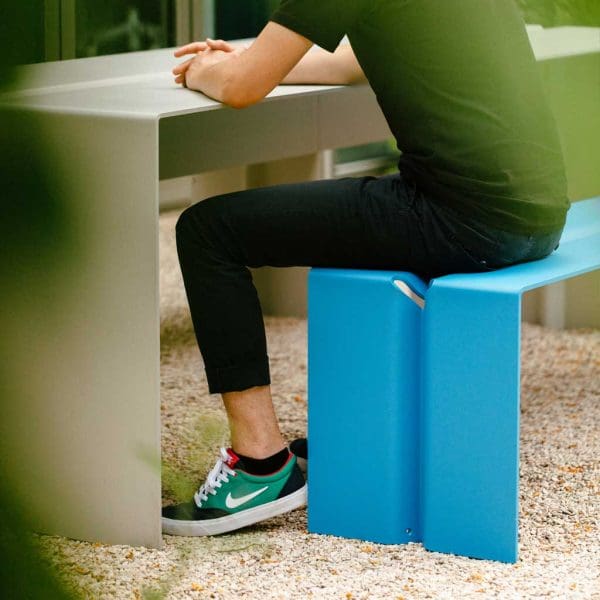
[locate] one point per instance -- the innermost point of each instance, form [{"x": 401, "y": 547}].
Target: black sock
[{"x": 264, "y": 466}]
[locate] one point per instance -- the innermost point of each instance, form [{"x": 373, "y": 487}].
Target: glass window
[{"x": 113, "y": 26}]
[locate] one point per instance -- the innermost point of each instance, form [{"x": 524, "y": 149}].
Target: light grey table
[{"x": 118, "y": 125}]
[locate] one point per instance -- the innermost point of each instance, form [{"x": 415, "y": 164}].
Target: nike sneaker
[
  {"x": 231, "y": 499},
  {"x": 300, "y": 448}
]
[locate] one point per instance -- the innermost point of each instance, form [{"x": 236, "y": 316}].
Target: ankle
[{"x": 257, "y": 449}]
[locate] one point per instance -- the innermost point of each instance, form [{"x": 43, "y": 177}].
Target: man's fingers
[
  {"x": 183, "y": 67},
  {"x": 192, "y": 48},
  {"x": 219, "y": 45},
  {"x": 180, "y": 80}
]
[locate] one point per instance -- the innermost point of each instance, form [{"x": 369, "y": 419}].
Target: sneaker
[
  {"x": 231, "y": 499},
  {"x": 300, "y": 448}
]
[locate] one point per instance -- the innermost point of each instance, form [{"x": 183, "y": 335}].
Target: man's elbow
[
  {"x": 235, "y": 101},
  {"x": 352, "y": 76},
  {"x": 238, "y": 94}
]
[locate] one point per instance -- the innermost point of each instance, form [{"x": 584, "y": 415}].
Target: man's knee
[
  {"x": 198, "y": 226},
  {"x": 186, "y": 222},
  {"x": 192, "y": 222}
]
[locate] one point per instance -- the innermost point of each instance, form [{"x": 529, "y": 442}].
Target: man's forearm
[
  {"x": 316, "y": 66},
  {"x": 321, "y": 67}
]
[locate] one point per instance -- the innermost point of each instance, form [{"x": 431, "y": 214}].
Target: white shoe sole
[{"x": 236, "y": 520}]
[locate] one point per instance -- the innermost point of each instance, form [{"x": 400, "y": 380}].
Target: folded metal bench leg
[
  {"x": 470, "y": 421},
  {"x": 363, "y": 417}
]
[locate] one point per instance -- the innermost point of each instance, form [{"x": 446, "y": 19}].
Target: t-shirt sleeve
[{"x": 323, "y": 22}]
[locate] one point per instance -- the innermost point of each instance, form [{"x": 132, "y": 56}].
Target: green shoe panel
[{"x": 244, "y": 490}]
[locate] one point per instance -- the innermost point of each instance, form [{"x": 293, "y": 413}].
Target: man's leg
[
  {"x": 353, "y": 222},
  {"x": 371, "y": 223},
  {"x": 252, "y": 422}
]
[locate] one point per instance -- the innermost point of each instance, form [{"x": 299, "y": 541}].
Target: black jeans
[{"x": 364, "y": 222}]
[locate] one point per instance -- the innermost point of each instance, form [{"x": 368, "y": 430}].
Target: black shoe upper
[
  {"x": 300, "y": 448},
  {"x": 295, "y": 482}
]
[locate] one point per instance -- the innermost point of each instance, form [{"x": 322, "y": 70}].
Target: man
[{"x": 480, "y": 185}]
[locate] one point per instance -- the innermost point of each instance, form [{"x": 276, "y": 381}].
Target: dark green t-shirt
[{"x": 460, "y": 89}]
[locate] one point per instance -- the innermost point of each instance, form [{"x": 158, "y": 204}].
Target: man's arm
[
  {"x": 240, "y": 77},
  {"x": 321, "y": 67},
  {"x": 317, "y": 66}
]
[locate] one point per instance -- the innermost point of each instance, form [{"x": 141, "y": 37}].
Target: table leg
[{"x": 90, "y": 434}]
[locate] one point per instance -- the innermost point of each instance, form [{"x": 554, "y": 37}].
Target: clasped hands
[{"x": 206, "y": 54}]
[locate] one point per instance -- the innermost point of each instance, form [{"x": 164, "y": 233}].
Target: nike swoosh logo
[{"x": 231, "y": 502}]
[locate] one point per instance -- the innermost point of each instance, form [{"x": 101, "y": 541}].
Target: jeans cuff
[{"x": 238, "y": 377}]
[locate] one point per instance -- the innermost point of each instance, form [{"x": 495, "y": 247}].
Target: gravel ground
[{"x": 559, "y": 490}]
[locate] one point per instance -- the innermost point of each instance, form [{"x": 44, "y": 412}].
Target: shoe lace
[{"x": 218, "y": 475}]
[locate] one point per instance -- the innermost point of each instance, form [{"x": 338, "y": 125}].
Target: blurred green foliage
[
  {"x": 35, "y": 236},
  {"x": 556, "y": 13},
  {"x": 23, "y": 573},
  {"x": 210, "y": 432}
]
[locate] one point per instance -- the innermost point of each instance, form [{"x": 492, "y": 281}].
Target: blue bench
[{"x": 414, "y": 399}]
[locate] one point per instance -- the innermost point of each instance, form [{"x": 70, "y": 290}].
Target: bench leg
[
  {"x": 470, "y": 423},
  {"x": 363, "y": 402}
]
